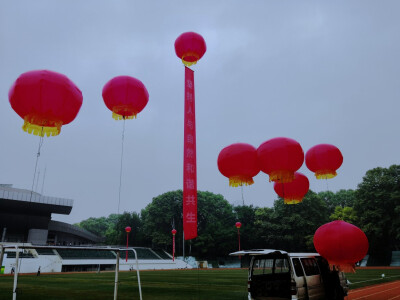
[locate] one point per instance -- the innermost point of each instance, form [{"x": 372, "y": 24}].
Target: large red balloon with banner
[
  {"x": 190, "y": 47},
  {"x": 324, "y": 160},
  {"x": 279, "y": 158},
  {"x": 293, "y": 192},
  {"x": 239, "y": 163},
  {"x": 341, "y": 243},
  {"x": 125, "y": 96},
  {"x": 45, "y": 100}
]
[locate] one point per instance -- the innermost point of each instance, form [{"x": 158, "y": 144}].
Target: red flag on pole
[{"x": 189, "y": 160}]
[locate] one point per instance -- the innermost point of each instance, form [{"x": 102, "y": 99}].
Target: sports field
[{"x": 177, "y": 284}]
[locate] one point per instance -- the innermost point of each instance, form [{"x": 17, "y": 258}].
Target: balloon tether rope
[
  {"x": 36, "y": 164},
  {"x": 41, "y": 140}
]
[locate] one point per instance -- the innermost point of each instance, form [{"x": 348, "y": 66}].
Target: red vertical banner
[{"x": 189, "y": 160}]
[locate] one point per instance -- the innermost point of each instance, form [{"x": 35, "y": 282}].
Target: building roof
[
  {"x": 75, "y": 230},
  {"x": 19, "y": 198}
]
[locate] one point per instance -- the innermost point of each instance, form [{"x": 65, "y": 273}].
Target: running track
[{"x": 385, "y": 291}]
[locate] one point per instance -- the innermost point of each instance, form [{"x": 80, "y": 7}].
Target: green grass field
[
  {"x": 168, "y": 285},
  {"x": 366, "y": 277}
]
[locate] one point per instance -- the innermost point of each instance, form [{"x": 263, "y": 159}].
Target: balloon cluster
[
  {"x": 341, "y": 243},
  {"x": 280, "y": 158},
  {"x": 47, "y": 100}
]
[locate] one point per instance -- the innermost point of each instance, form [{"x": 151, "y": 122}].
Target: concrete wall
[
  {"x": 47, "y": 264},
  {"x": 38, "y": 236},
  {"x": 54, "y": 263}
]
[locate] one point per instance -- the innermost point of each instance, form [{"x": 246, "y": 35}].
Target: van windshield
[{"x": 263, "y": 266}]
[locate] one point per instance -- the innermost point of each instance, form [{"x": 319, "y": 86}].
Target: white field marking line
[
  {"x": 380, "y": 278},
  {"x": 365, "y": 281},
  {"x": 394, "y": 297},
  {"x": 376, "y": 293},
  {"x": 372, "y": 287}
]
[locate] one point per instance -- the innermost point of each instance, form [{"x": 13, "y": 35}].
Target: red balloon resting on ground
[{"x": 341, "y": 243}]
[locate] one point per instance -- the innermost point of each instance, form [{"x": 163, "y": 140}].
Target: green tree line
[{"x": 374, "y": 207}]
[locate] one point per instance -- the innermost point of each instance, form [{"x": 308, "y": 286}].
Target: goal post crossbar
[{"x": 117, "y": 250}]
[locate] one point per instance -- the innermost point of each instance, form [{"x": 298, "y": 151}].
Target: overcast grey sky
[{"x": 314, "y": 71}]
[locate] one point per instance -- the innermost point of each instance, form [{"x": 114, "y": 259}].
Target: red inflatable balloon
[
  {"x": 239, "y": 163},
  {"x": 341, "y": 243},
  {"x": 293, "y": 192},
  {"x": 324, "y": 160},
  {"x": 46, "y": 100},
  {"x": 280, "y": 158},
  {"x": 190, "y": 47},
  {"x": 125, "y": 96}
]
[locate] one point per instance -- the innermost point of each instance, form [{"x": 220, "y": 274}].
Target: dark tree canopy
[
  {"x": 378, "y": 206},
  {"x": 341, "y": 198},
  {"x": 374, "y": 207},
  {"x": 215, "y": 223},
  {"x": 158, "y": 218},
  {"x": 113, "y": 228},
  {"x": 248, "y": 232},
  {"x": 291, "y": 227}
]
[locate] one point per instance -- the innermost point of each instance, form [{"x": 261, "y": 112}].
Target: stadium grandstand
[
  {"x": 26, "y": 227},
  {"x": 74, "y": 259},
  {"x": 25, "y": 217}
]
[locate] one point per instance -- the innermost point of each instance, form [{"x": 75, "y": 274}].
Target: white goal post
[{"x": 116, "y": 250}]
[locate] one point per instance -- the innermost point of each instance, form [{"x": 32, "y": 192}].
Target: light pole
[
  {"x": 238, "y": 225},
  {"x": 173, "y": 244},
  {"x": 127, "y": 230}
]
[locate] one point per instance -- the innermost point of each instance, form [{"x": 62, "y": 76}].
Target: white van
[{"x": 277, "y": 275}]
